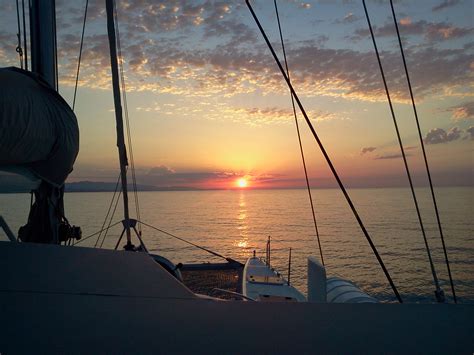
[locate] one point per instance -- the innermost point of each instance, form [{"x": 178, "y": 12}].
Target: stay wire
[
  {"x": 185, "y": 241},
  {"x": 111, "y": 217},
  {"x": 18, "y": 49},
  {"x": 94, "y": 234},
  {"x": 424, "y": 153},
  {"x": 127, "y": 120},
  {"x": 25, "y": 51},
  {"x": 80, "y": 55},
  {"x": 433, "y": 271},
  {"x": 109, "y": 209},
  {"x": 326, "y": 156},
  {"x": 299, "y": 135}
]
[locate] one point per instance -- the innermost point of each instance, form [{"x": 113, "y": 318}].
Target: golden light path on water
[{"x": 242, "y": 223}]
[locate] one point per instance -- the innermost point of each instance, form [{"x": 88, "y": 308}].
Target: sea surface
[{"x": 234, "y": 223}]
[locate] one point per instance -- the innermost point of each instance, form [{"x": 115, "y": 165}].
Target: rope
[
  {"x": 24, "y": 34},
  {"x": 108, "y": 211},
  {"x": 326, "y": 156},
  {"x": 90, "y": 236},
  {"x": 80, "y": 55},
  {"x": 423, "y": 150},
  {"x": 433, "y": 271},
  {"x": 186, "y": 241},
  {"x": 110, "y": 221},
  {"x": 18, "y": 49},
  {"x": 299, "y": 137}
]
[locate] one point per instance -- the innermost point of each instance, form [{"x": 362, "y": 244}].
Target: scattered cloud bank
[{"x": 204, "y": 49}]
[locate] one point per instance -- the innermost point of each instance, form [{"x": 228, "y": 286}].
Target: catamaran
[{"x": 59, "y": 298}]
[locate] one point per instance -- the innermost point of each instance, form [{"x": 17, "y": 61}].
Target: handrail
[{"x": 8, "y": 231}]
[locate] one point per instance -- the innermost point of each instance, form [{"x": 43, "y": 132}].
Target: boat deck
[
  {"x": 209, "y": 278},
  {"x": 77, "y": 300},
  {"x": 262, "y": 283}
]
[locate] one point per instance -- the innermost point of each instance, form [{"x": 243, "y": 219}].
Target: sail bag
[{"x": 38, "y": 129}]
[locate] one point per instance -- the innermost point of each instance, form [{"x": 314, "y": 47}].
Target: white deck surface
[
  {"x": 259, "y": 279},
  {"x": 76, "y": 300}
]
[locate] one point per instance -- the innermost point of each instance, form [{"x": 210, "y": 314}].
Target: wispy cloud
[
  {"x": 391, "y": 156},
  {"x": 349, "y": 18},
  {"x": 432, "y": 31},
  {"x": 366, "y": 150},
  {"x": 445, "y": 4}
]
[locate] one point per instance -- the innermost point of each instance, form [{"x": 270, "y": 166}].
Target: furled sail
[{"x": 38, "y": 129}]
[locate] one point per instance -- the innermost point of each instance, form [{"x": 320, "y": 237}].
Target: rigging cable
[
  {"x": 326, "y": 156},
  {"x": 93, "y": 234},
  {"x": 424, "y": 153},
  {"x": 112, "y": 216},
  {"x": 299, "y": 135},
  {"x": 438, "y": 292},
  {"x": 24, "y": 35},
  {"x": 18, "y": 49},
  {"x": 188, "y": 242},
  {"x": 127, "y": 121},
  {"x": 80, "y": 55},
  {"x": 108, "y": 211}
]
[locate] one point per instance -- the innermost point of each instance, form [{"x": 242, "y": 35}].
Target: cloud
[
  {"x": 166, "y": 51},
  {"x": 445, "y": 4},
  {"x": 405, "y": 21},
  {"x": 432, "y": 31},
  {"x": 367, "y": 150},
  {"x": 464, "y": 111},
  {"x": 272, "y": 114},
  {"x": 160, "y": 171},
  {"x": 470, "y": 132},
  {"x": 234, "y": 60},
  {"x": 439, "y": 135},
  {"x": 349, "y": 18},
  {"x": 443, "y": 31},
  {"x": 225, "y": 110},
  {"x": 163, "y": 176},
  {"x": 408, "y": 152},
  {"x": 391, "y": 156}
]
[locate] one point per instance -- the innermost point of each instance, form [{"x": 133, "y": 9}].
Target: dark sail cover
[{"x": 38, "y": 129}]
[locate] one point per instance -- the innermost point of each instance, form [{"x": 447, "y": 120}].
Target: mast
[
  {"x": 43, "y": 40},
  {"x": 118, "y": 116},
  {"x": 44, "y": 63}
]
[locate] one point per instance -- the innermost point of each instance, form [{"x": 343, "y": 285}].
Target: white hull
[{"x": 262, "y": 283}]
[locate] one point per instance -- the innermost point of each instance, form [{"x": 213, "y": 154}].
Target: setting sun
[{"x": 242, "y": 182}]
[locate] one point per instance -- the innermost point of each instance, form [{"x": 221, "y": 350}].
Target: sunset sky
[{"x": 208, "y": 106}]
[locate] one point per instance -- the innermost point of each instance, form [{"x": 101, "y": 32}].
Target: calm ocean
[{"x": 235, "y": 223}]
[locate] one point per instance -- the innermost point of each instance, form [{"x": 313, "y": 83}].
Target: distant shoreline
[{"x": 191, "y": 189}]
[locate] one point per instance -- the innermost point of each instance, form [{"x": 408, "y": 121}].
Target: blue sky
[{"x": 208, "y": 105}]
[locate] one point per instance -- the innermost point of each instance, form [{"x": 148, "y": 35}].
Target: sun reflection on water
[{"x": 242, "y": 240}]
